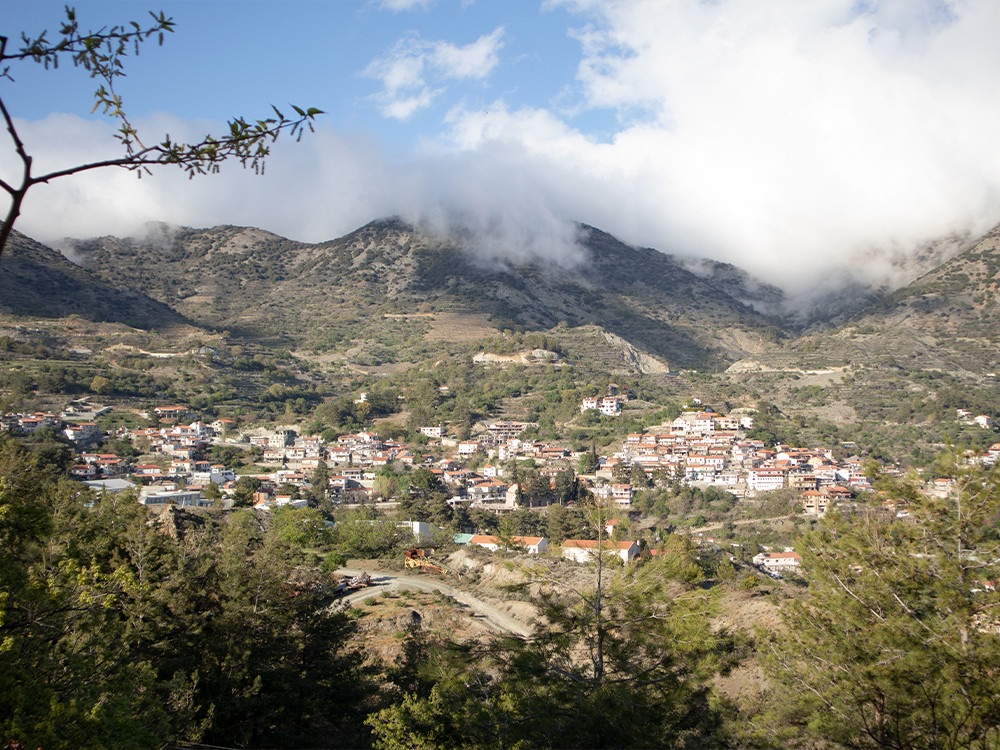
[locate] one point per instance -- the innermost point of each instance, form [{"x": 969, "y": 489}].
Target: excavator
[{"x": 418, "y": 559}]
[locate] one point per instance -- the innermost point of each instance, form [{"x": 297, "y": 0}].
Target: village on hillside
[{"x": 700, "y": 448}]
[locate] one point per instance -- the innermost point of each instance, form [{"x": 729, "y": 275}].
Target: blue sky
[
  {"x": 229, "y": 58},
  {"x": 805, "y": 141}
]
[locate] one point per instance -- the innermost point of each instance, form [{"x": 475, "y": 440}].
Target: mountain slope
[
  {"x": 950, "y": 315},
  {"x": 335, "y": 294},
  {"x": 37, "y": 281},
  {"x": 946, "y": 320}
]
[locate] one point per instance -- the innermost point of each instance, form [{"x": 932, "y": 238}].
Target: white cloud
[
  {"x": 402, "y": 107},
  {"x": 797, "y": 140},
  {"x": 404, "y": 70},
  {"x": 786, "y": 137},
  {"x": 319, "y": 188},
  {"x": 397, "y": 6},
  {"x": 790, "y": 138},
  {"x": 475, "y": 60}
]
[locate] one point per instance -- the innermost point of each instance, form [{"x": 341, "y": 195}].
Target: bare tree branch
[{"x": 100, "y": 52}]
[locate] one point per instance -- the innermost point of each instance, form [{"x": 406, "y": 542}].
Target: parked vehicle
[{"x": 347, "y": 585}]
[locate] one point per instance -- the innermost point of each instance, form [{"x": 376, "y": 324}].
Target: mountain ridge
[
  {"x": 335, "y": 295},
  {"x": 37, "y": 281},
  {"x": 321, "y": 294}
]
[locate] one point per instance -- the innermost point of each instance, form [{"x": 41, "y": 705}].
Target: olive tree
[{"x": 102, "y": 54}]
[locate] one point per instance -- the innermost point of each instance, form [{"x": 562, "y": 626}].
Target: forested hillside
[{"x": 190, "y": 629}]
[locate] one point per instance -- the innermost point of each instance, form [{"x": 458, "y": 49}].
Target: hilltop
[{"x": 333, "y": 294}]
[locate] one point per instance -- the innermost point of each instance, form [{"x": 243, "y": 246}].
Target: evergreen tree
[
  {"x": 897, "y": 645},
  {"x": 319, "y": 483},
  {"x": 245, "y": 487},
  {"x": 535, "y": 489},
  {"x": 624, "y": 663},
  {"x": 74, "y": 608},
  {"x": 562, "y": 523},
  {"x": 567, "y": 487},
  {"x": 588, "y": 462},
  {"x": 116, "y": 633},
  {"x": 639, "y": 478}
]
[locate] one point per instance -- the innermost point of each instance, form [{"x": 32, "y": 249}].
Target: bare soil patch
[{"x": 459, "y": 327}]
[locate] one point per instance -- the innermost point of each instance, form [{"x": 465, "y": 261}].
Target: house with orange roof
[
  {"x": 815, "y": 502},
  {"x": 778, "y": 561}
]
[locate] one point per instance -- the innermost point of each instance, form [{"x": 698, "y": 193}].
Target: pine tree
[
  {"x": 897, "y": 645},
  {"x": 624, "y": 663}
]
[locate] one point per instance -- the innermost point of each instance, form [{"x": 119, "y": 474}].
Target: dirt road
[{"x": 382, "y": 580}]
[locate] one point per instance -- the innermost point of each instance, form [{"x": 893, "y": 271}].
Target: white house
[
  {"x": 216, "y": 473},
  {"x": 764, "y": 479},
  {"x": 680, "y": 426},
  {"x": 699, "y": 471},
  {"x": 468, "y": 447},
  {"x": 704, "y": 422},
  {"x": 622, "y": 493},
  {"x": 609, "y": 406},
  {"x": 581, "y": 550},
  {"x": 111, "y": 486},
  {"x": 83, "y": 432},
  {"x": 533, "y": 544},
  {"x": 283, "y": 500},
  {"x": 421, "y": 530},
  {"x": 173, "y": 497},
  {"x": 777, "y": 561}
]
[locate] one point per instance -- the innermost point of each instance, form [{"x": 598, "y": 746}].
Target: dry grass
[
  {"x": 459, "y": 327},
  {"x": 383, "y": 619}
]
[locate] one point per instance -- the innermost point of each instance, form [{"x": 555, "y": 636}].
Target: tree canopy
[
  {"x": 897, "y": 645},
  {"x": 625, "y": 662}
]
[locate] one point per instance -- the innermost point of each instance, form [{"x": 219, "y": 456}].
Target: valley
[{"x": 554, "y": 436}]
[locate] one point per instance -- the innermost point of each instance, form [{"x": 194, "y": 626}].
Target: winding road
[{"x": 492, "y": 616}]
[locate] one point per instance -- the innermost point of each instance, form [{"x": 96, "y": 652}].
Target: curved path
[{"x": 492, "y": 616}]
